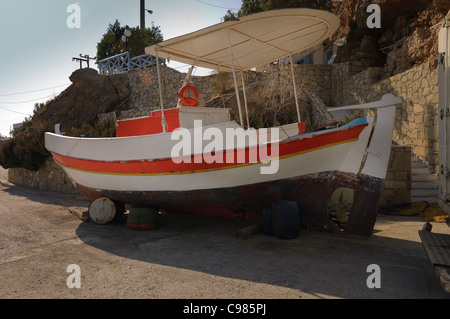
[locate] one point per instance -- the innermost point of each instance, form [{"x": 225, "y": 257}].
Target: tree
[
  {"x": 255, "y": 6},
  {"x": 112, "y": 44}
]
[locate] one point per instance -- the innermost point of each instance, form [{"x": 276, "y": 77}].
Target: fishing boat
[{"x": 196, "y": 159}]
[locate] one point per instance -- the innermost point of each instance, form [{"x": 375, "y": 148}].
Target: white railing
[{"x": 123, "y": 63}]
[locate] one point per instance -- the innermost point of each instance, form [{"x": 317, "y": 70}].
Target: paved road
[{"x": 198, "y": 257}]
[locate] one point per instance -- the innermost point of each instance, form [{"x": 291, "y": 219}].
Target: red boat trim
[{"x": 197, "y": 164}]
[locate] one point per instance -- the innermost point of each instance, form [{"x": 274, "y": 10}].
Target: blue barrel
[{"x": 286, "y": 220}]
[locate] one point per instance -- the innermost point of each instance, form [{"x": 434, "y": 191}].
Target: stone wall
[
  {"x": 417, "y": 119},
  {"x": 317, "y": 79},
  {"x": 145, "y": 89},
  {"x": 49, "y": 178},
  {"x": 397, "y": 186},
  {"x": 341, "y": 73}
]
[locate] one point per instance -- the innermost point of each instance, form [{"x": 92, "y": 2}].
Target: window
[
  {"x": 328, "y": 56},
  {"x": 306, "y": 60}
]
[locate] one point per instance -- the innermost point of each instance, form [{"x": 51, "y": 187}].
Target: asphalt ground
[{"x": 197, "y": 257}]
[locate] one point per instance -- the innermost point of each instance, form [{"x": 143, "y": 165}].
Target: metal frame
[{"x": 123, "y": 63}]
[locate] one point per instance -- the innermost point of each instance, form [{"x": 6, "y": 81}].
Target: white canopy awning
[{"x": 257, "y": 39}]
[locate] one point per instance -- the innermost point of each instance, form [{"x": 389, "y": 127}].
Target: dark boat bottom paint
[{"x": 311, "y": 192}]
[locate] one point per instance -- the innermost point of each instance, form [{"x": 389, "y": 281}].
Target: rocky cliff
[
  {"x": 89, "y": 95},
  {"x": 408, "y": 35}
]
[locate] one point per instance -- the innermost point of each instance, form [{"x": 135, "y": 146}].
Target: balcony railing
[{"x": 123, "y": 63}]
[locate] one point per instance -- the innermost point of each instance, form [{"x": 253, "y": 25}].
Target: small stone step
[
  {"x": 425, "y": 178},
  {"x": 415, "y": 158},
  {"x": 424, "y": 185},
  {"x": 420, "y": 171},
  {"x": 418, "y": 165},
  {"x": 424, "y": 192}
]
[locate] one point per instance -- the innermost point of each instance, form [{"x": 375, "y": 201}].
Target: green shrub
[
  {"x": 26, "y": 149},
  {"x": 105, "y": 128}
]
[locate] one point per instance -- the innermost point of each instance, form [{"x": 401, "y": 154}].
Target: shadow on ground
[
  {"x": 317, "y": 263},
  {"x": 48, "y": 198}
]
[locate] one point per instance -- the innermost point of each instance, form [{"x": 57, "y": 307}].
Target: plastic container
[
  {"x": 285, "y": 219},
  {"x": 143, "y": 218}
]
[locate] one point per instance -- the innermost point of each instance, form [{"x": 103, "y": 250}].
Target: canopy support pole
[
  {"x": 295, "y": 89},
  {"x": 235, "y": 80},
  {"x": 163, "y": 118},
  {"x": 245, "y": 98}
]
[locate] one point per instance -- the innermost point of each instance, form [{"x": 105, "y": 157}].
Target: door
[{"x": 444, "y": 116}]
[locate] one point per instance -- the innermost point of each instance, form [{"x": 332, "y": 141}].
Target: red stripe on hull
[{"x": 192, "y": 163}]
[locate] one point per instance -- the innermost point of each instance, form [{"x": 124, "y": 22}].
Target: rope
[{"x": 392, "y": 210}]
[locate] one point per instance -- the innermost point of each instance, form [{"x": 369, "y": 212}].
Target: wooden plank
[
  {"x": 84, "y": 216},
  {"x": 443, "y": 274},
  {"x": 247, "y": 232},
  {"x": 436, "y": 247}
]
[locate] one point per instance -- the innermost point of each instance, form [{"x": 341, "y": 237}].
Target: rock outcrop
[
  {"x": 408, "y": 35},
  {"x": 89, "y": 95}
]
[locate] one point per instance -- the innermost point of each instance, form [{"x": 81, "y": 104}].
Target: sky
[{"x": 37, "y": 44}]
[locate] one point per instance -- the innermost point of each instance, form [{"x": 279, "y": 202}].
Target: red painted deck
[{"x": 148, "y": 125}]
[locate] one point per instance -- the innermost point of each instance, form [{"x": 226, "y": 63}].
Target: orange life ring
[{"x": 188, "y": 101}]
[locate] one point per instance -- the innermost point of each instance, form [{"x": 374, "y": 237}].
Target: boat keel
[{"x": 311, "y": 192}]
